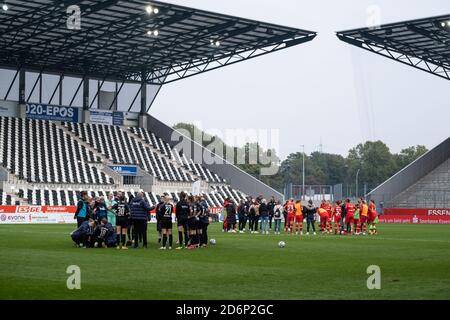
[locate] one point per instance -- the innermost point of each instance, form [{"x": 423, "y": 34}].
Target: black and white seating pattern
[
  {"x": 45, "y": 153},
  {"x": 5, "y": 199},
  {"x": 69, "y": 197},
  {"x": 40, "y": 152},
  {"x": 163, "y": 147},
  {"x": 120, "y": 147}
]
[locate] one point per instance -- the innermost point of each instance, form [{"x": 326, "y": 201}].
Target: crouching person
[
  {"x": 84, "y": 234},
  {"x": 104, "y": 235}
]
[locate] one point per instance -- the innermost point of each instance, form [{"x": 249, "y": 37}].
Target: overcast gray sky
[{"x": 324, "y": 91}]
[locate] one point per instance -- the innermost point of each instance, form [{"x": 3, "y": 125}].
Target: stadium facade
[{"x": 80, "y": 136}]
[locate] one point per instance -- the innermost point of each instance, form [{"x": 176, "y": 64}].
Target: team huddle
[
  {"x": 116, "y": 222},
  {"x": 342, "y": 217},
  {"x": 121, "y": 223}
]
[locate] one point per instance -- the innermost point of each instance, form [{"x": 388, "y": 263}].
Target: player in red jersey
[
  {"x": 336, "y": 216},
  {"x": 329, "y": 209},
  {"x": 372, "y": 216},
  {"x": 349, "y": 216},
  {"x": 323, "y": 213},
  {"x": 298, "y": 217},
  {"x": 290, "y": 209}
]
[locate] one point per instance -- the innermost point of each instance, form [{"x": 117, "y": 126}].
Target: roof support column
[
  {"x": 40, "y": 87},
  {"x": 61, "y": 79},
  {"x": 143, "y": 94},
  {"x": 22, "y": 86},
  {"x": 86, "y": 93}
]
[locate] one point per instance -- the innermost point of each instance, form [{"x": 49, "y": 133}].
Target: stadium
[{"x": 66, "y": 130}]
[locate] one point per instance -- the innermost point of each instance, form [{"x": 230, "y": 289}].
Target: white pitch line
[{"x": 384, "y": 238}]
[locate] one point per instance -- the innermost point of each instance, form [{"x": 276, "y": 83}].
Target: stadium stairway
[
  {"x": 169, "y": 155},
  {"x": 103, "y": 160}
]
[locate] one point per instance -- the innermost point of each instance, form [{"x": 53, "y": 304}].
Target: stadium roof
[
  {"x": 422, "y": 43},
  {"x": 117, "y": 40}
]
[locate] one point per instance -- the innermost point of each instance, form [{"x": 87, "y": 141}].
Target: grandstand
[
  {"x": 50, "y": 152},
  {"x": 425, "y": 183}
]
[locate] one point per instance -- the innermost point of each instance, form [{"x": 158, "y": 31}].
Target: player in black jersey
[
  {"x": 182, "y": 214},
  {"x": 192, "y": 223},
  {"x": 158, "y": 218},
  {"x": 122, "y": 212},
  {"x": 103, "y": 233},
  {"x": 204, "y": 223},
  {"x": 165, "y": 214},
  {"x": 201, "y": 214}
]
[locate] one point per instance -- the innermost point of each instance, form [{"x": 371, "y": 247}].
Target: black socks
[{"x": 180, "y": 238}]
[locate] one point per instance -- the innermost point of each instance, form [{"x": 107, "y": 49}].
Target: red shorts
[
  {"x": 324, "y": 218},
  {"x": 371, "y": 218},
  {"x": 349, "y": 219},
  {"x": 299, "y": 218},
  {"x": 363, "y": 219},
  {"x": 291, "y": 217},
  {"x": 337, "y": 219}
]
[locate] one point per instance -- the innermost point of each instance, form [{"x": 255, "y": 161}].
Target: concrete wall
[{"x": 234, "y": 176}]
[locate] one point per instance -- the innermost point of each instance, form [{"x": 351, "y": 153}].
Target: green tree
[
  {"x": 408, "y": 155},
  {"x": 375, "y": 162}
]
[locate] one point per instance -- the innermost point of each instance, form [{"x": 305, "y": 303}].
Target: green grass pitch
[{"x": 414, "y": 262}]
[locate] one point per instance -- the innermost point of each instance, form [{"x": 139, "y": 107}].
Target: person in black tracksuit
[
  {"x": 158, "y": 218},
  {"x": 203, "y": 225},
  {"x": 309, "y": 211},
  {"x": 242, "y": 214},
  {"x": 231, "y": 216},
  {"x": 140, "y": 211},
  {"x": 270, "y": 207},
  {"x": 343, "y": 214},
  {"x": 182, "y": 214},
  {"x": 82, "y": 235},
  {"x": 130, "y": 230}
]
